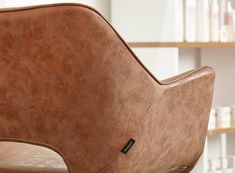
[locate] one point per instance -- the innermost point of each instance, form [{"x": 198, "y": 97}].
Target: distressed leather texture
[{"x": 68, "y": 82}]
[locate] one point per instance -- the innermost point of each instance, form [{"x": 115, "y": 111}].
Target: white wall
[
  {"x": 2, "y": 3},
  {"x": 162, "y": 63},
  {"x": 139, "y": 20},
  {"x": 188, "y": 59},
  {"x": 103, "y": 6},
  {"x": 222, "y": 60},
  {"x": 231, "y": 144},
  {"x": 152, "y": 20}
]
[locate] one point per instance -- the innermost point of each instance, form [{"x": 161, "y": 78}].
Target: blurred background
[{"x": 174, "y": 36}]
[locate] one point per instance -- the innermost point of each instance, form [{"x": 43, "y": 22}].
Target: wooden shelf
[
  {"x": 219, "y": 131},
  {"x": 180, "y": 44}
]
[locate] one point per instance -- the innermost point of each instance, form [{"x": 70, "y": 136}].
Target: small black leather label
[{"x": 128, "y": 146}]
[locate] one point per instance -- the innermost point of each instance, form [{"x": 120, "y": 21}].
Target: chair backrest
[{"x": 70, "y": 83}]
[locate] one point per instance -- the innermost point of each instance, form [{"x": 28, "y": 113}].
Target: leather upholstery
[{"x": 68, "y": 82}]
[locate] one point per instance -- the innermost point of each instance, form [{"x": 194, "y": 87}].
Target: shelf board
[
  {"x": 180, "y": 44},
  {"x": 219, "y": 131}
]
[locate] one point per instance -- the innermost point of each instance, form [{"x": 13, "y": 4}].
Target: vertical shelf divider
[
  {"x": 205, "y": 157},
  {"x": 223, "y": 145}
]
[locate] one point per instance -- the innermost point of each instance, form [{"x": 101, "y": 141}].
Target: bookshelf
[
  {"x": 181, "y": 44},
  {"x": 219, "y": 131}
]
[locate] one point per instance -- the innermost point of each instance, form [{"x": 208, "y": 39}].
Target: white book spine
[
  {"x": 214, "y": 21},
  {"x": 179, "y": 20},
  {"x": 190, "y": 20},
  {"x": 222, "y": 28},
  {"x": 203, "y": 24}
]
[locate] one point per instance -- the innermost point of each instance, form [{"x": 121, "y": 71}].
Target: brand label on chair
[{"x": 128, "y": 146}]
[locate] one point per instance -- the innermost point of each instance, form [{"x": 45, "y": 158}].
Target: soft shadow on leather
[{"x": 29, "y": 158}]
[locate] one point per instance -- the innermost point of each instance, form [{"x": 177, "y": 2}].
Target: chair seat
[
  {"x": 25, "y": 158},
  {"x": 32, "y": 170}
]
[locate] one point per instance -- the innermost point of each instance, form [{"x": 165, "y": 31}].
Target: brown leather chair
[{"x": 68, "y": 82}]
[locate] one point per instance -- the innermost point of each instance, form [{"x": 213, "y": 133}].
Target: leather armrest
[{"x": 183, "y": 75}]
